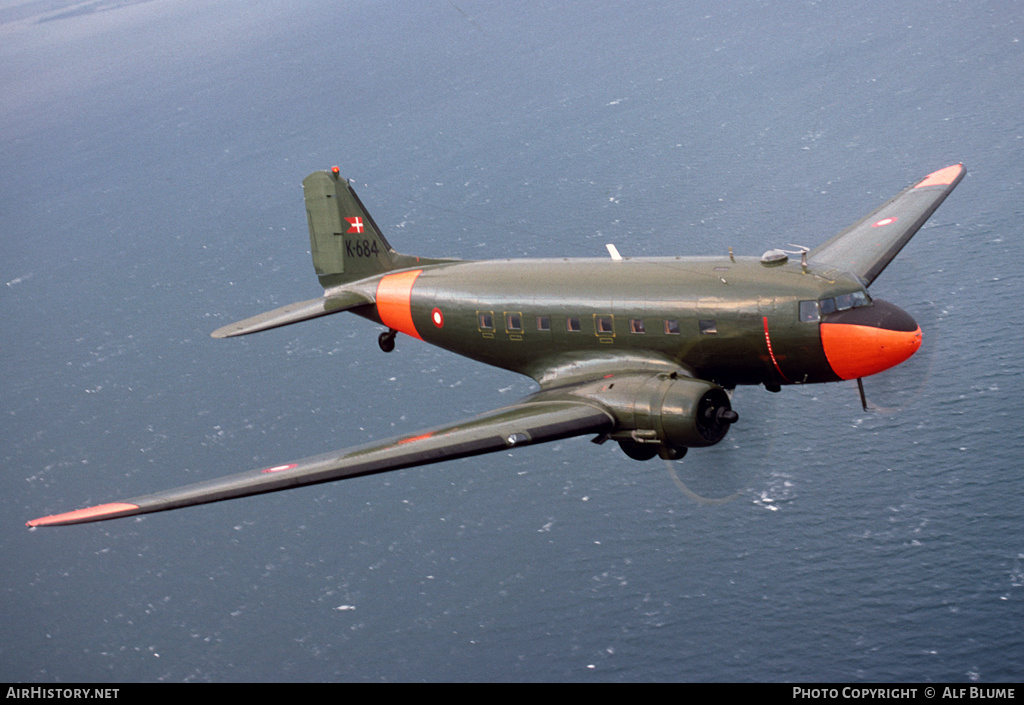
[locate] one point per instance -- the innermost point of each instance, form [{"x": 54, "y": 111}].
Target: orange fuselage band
[{"x": 394, "y": 301}]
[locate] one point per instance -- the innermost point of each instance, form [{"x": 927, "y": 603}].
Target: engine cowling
[
  {"x": 690, "y": 413},
  {"x": 664, "y": 414}
]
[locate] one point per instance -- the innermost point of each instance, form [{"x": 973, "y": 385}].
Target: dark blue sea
[{"x": 151, "y": 159}]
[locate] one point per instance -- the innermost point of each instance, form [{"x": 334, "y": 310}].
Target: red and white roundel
[
  {"x": 884, "y": 222},
  {"x": 437, "y": 317}
]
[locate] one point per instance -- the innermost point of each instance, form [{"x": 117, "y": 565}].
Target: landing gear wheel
[
  {"x": 386, "y": 340},
  {"x": 639, "y": 451}
]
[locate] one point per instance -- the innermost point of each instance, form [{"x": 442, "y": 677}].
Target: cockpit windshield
[
  {"x": 852, "y": 300},
  {"x": 814, "y": 310}
]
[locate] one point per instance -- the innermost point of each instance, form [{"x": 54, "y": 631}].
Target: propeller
[
  {"x": 712, "y": 487},
  {"x": 723, "y": 473},
  {"x": 895, "y": 389}
]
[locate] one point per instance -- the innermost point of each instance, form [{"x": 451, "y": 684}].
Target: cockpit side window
[
  {"x": 844, "y": 301},
  {"x": 809, "y": 311}
]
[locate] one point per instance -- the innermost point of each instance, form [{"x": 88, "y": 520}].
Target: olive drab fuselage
[{"x": 728, "y": 320}]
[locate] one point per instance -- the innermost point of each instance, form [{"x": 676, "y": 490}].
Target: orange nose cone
[{"x": 858, "y": 351}]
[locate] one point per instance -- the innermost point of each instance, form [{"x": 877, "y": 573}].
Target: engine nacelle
[
  {"x": 687, "y": 413},
  {"x": 664, "y": 414}
]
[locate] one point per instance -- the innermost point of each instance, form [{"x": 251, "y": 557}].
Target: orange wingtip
[
  {"x": 942, "y": 177},
  {"x": 83, "y": 514}
]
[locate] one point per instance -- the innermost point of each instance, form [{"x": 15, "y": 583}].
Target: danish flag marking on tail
[{"x": 355, "y": 224}]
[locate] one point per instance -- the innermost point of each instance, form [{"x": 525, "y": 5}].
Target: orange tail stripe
[{"x": 394, "y": 301}]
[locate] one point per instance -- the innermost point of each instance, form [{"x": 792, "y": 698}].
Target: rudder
[{"x": 345, "y": 241}]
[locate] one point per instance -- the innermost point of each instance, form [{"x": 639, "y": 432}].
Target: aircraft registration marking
[{"x": 360, "y": 248}]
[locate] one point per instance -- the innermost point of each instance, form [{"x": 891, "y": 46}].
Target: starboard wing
[
  {"x": 528, "y": 422},
  {"x": 866, "y": 247}
]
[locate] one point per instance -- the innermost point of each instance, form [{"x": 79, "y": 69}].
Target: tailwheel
[{"x": 386, "y": 340}]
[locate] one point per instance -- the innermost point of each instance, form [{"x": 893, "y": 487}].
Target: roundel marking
[
  {"x": 437, "y": 317},
  {"x": 885, "y": 221}
]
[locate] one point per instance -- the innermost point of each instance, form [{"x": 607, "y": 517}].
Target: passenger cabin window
[
  {"x": 708, "y": 326},
  {"x": 543, "y": 323},
  {"x": 572, "y": 324},
  {"x": 485, "y": 320},
  {"x": 671, "y": 326},
  {"x": 514, "y": 322},
  {"x": 603, "y": 325},
  {"x": 636, "y": 325}
]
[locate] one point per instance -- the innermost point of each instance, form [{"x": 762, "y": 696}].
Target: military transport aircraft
[{"x": 642, "y": 351}]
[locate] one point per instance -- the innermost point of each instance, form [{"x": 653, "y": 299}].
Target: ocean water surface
[{"x": 150, "y": 169}]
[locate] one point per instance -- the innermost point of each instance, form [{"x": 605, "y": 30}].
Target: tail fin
[{"x": 346, "y": 244}]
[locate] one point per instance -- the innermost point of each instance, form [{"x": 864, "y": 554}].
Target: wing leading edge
[
  {"x": 528, "y": 422},
  {"x": 866, "y": 247}
]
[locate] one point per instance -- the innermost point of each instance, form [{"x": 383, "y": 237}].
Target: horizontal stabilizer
[
  {"x": 526, "y": 423},
  {"x": 293, "y": 313},
  {"x": 866, "y": 247}
]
